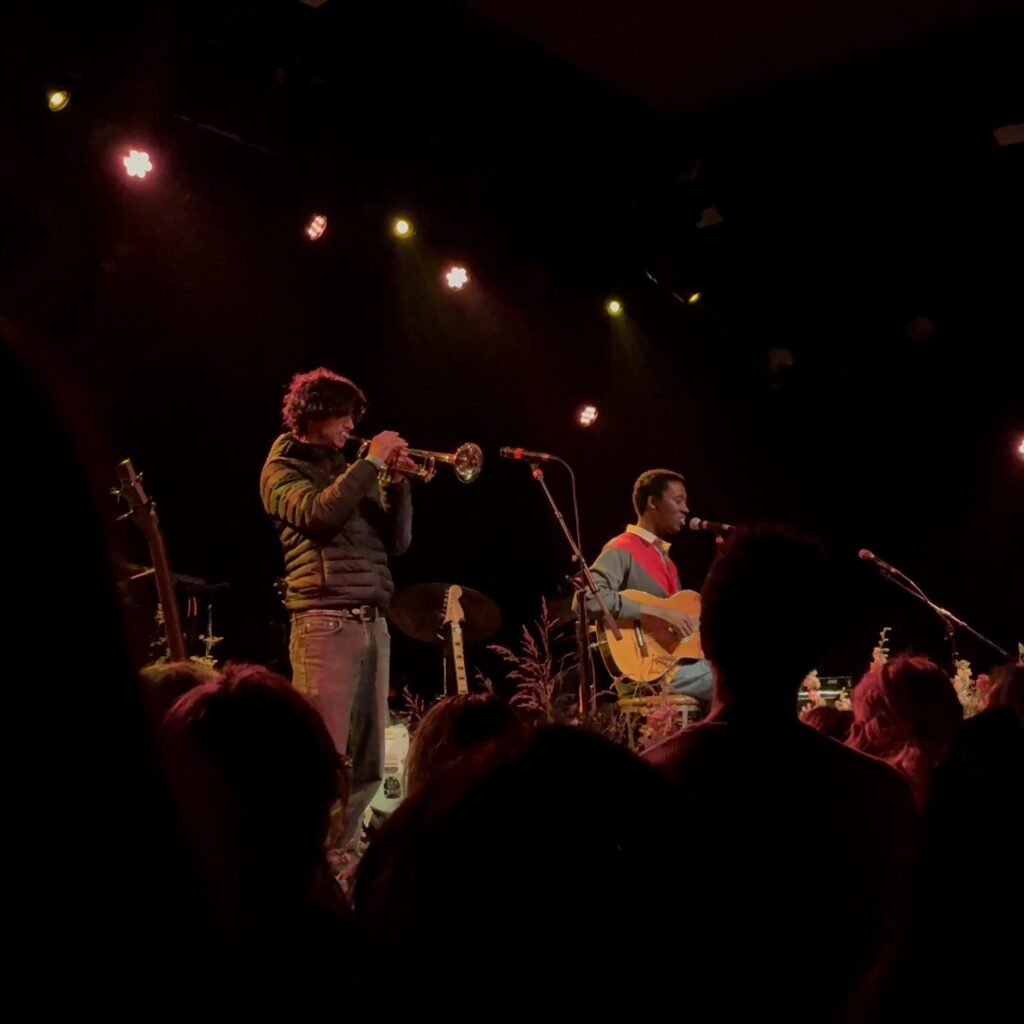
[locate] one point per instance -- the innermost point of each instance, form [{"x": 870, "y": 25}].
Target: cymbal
[
  {"x": 418, "y": 612},
  {"x": 189, "y": 584}
]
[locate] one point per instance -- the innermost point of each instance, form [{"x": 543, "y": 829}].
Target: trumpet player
[{"x": 338, "y": 528}]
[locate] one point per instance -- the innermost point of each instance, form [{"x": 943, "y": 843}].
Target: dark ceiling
[{"x": 678, "y": 57}]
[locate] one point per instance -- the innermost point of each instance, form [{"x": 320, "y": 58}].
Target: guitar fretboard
[{"x": 459, "y": 658}]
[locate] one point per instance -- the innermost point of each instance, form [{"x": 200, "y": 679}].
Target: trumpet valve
[{"x": 428, "y": 470}]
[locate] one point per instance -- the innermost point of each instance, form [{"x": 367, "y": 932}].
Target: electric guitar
[
  {"x": 391, "y": 791},
  {"x": 649, "y": 650},
  {"x": 142, "y": 511},
  {"x": 454, "y": 616}
]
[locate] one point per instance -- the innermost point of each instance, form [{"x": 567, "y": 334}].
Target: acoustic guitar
[
  {"x": 142, "y": 511},
  {"x": 649, "y": 650}
]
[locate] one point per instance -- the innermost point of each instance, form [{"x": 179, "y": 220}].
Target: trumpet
[{"x": 466, "y": 461}]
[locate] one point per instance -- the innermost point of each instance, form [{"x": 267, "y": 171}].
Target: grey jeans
[
  {"x": 693, "y": 679},
  {"x": 342, "y": 666}
]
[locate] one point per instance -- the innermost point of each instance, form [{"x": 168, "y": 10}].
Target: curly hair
[
  {"x": 248, "y": 751},
  {"x": 164, "y": 682},
  {"x": 766, "y": 567},
  {"x": 318, "y": 395},
  {"x": 829, "y": 721},
  {"x": 906, "y": 712},
  {"x": 457, "y": 726}
]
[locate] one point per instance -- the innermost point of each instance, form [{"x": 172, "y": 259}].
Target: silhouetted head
[
  {"x": 906, "y": 712},
  {"x": 540, "y": 845},
  {"x": 164, "y": 682},
  {"x": 455, "y": 726},
  {"x": 77, "y": 740},
  {"x": 907, "y": 697},
  {"x": 256, "y": 774},
  {"x": 829, "y": 721},
  {"x": 767, "y": 608}
]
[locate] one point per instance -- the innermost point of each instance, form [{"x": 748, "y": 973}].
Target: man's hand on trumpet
[
  {"x": 386, "y": 445},
  {"x": 403, "y": 467},
  {"x": 390, "y": 447}
]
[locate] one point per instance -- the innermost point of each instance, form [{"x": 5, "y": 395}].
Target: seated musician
[{"x": 639, "y": 560}]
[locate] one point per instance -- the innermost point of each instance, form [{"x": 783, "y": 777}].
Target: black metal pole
[
  {"x": 587, "y": 696},
  {"x": 949, "y": 620}
]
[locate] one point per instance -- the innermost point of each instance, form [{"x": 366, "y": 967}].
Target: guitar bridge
[{"x": 641, "y": 640}]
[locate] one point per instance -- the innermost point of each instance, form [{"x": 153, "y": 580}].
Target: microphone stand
[
  {"x": 587, "y": 691},
  {"x": 949, "y": 621}
]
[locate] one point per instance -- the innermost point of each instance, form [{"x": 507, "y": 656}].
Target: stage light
[
  {"x": 401, "y": 227},
  {"x": 586, "y": 415},
  {"x": 693, "y": 298},
  {"x": 316, "y": 227},
  {"x": 58, "y": 99},
  {"x": 1020, "y": 447},
  {"x": 613, "y": 307},
  {"x": 457, "y": 277},
  {"x": 137, "y": 164}
]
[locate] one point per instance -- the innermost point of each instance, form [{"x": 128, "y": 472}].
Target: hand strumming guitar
[{"x": 682, "y": 624}]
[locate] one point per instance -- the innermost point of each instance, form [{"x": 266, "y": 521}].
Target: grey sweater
[{"x": 619, "y": 568}]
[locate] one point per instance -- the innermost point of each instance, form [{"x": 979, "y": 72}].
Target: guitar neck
[
  {"x": 165, "y": 589},
  {"x": 459, "y": 660}
]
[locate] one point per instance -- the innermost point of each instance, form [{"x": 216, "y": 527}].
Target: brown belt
[{"x": 362, "y": 613}]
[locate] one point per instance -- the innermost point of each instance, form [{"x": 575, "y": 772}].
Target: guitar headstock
[
  {"x": 453, "y": 613},
  {"x": 131, "y": 490}
]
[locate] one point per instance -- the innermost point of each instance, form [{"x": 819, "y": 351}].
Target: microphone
[
  {"x": 525, "y": 455},
  {"x": 890, "y": 572},
  {"x": 711, "y": 527}
]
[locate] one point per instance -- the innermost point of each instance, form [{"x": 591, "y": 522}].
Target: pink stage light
[
  {"x": 316, "y": 227},
  {"x": 137, "y": 164}
]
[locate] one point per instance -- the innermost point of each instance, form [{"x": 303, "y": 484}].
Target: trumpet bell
[{"x": 467, "y": 462}]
